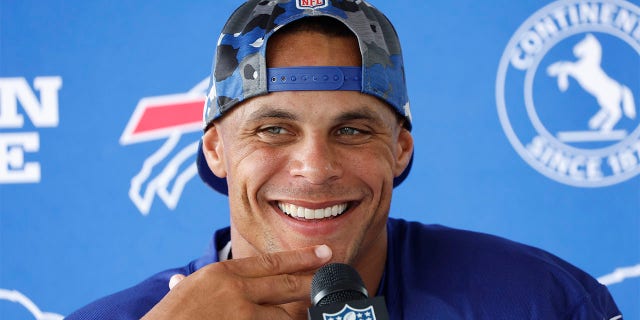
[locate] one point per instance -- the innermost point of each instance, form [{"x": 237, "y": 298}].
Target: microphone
[{"x": 337, "y": 292}]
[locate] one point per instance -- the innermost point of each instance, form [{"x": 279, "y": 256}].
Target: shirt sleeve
[{"x": 598, "y": 305}]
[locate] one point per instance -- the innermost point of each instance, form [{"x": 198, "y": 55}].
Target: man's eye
[
  {"x": 348, "y": 131},
  {"x": 275, "y": 130}
]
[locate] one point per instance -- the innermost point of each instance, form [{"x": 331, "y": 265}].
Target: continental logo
[{"x": 567, "y": 92}]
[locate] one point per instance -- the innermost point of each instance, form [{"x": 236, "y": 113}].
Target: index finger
[{"x": 275, "y": 263}]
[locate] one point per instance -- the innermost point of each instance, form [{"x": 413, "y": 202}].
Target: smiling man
[
  {"x": 318, "y": 165},
  {"x": 307, "y": 130}
]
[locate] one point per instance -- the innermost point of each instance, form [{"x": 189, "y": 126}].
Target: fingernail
[
  {"x": 174, "y": 280},
  {"x": 323, "y": 252}
]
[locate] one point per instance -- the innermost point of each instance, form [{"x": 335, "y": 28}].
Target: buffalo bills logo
[{"x": 168, "y": 117}]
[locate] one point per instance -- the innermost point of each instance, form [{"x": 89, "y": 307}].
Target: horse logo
[
  {"x": 587, "y": 135},
  {"x": 614, "y": 98}
]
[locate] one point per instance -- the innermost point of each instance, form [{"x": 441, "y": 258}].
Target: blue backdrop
[{"x": 514, "y": 105}]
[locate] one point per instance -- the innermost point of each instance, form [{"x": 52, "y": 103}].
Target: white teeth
[
  {"x": 335, "y": 211},
  {"x": 312, "y": 214},
  {"x": 309, "y": 214}
]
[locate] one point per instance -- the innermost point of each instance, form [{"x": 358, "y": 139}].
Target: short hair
[{"x": 322, "y": 24}]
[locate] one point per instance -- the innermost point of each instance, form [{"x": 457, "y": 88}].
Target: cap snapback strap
[{"x": 317, "y": 78}]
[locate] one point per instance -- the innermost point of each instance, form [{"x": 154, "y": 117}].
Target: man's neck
[{"x": 371, "y": 267}]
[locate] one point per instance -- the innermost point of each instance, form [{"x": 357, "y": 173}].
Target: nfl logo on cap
[{"x": 311, "y": 4}]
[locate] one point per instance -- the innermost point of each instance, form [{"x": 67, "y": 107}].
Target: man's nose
[{"x": 316, "y": 160}]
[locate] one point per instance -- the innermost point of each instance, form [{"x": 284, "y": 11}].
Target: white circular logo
[{"x": 567, "y": 91}]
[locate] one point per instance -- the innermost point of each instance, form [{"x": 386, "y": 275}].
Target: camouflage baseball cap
[{"x": 240, "y": 69}]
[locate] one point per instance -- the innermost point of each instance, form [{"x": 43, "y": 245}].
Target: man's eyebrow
[
  {"x": 271, "y": 112},
  {"x": 363, "y": 113}
]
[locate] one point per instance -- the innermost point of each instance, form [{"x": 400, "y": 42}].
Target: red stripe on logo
[{"x": 169, "y": 116}]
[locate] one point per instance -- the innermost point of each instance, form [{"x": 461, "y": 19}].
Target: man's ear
[
  {"x": 404, "y": 151},
  {"x": 213, "y": 150}
]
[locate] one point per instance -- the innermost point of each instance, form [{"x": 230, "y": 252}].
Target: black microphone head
[{"x": 337, "y": 282}]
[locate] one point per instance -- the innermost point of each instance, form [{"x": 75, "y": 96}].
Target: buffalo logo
[
  {"x": 26, "y": 303},
  {"x": 566, "y": 89},
  {"x": 165, "y": 117},
  {"x": 311, "y": 4},
  {"x": 349, "y": 313}
]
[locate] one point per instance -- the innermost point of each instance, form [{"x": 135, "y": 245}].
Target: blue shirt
[{"x": 432, "y": 272}]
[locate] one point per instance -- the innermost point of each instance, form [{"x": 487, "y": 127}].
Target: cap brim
[{"x": 220, "y": 184}]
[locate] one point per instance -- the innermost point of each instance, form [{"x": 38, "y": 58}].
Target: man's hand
[{"x": 249, "y": 288}]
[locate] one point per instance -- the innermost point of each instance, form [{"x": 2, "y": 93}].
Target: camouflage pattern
[{"x": 240, "y": 68}]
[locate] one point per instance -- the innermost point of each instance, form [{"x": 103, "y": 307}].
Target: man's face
[{"x": 310, "y": 167}]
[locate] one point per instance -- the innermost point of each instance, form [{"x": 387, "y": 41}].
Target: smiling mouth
[{"x": 312, "y": 214}]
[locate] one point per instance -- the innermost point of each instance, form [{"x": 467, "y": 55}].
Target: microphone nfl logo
[
  {"x": 350, "y": 313},
  {"x": 311, "y": 4}
]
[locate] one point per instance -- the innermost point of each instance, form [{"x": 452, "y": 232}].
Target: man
[{"x": 307, "y": 129}]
